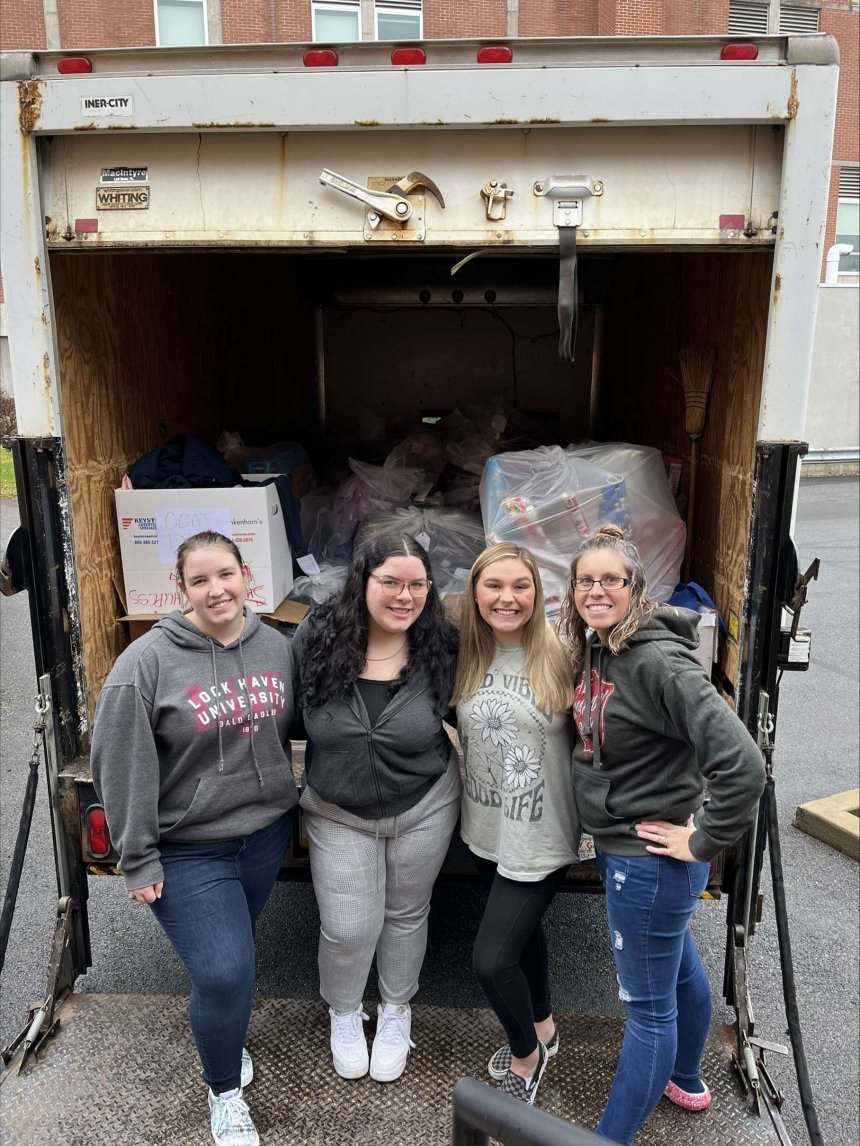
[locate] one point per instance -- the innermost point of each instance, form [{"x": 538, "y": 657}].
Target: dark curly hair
[{"x": 336, "y": 644}]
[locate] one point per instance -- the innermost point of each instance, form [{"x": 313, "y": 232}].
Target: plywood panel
[
  {"x": 133, "y": 343},
  {"x": 152, "y": 345},
  {"x": 660, "y": 304}
]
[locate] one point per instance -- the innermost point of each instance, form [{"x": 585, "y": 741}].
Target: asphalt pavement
[{"x": 816, "y": 755}]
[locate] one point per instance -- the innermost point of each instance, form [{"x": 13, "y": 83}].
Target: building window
[
  {"x": 750, "y": 18},
  {"x": 848, "y": 219},
  {"x": 794, "y": 18},
  {"x": 398, "y": 20},
  {"x": 747, "y": 18},
  {"x": 179, "y": 23},
  {"x": 338, "y": 23}
]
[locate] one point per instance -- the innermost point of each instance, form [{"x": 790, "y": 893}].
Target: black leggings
[{"x": 510, "y": 956}]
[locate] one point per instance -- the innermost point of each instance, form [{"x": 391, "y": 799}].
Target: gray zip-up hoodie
[
  {"x": 374, "y": 772},
  {"x": 191, "y": 740},
  {"x": 652, "y": 729}
]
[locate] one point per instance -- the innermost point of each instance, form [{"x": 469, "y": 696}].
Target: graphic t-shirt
[{"x": 518, "y": 808}]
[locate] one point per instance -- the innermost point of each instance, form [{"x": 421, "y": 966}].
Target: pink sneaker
[{"x": 685, "y": 1100}]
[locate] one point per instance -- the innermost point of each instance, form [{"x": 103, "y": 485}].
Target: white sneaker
[
  {"x": 247, "y": 1069},
  {"x": 392, "y": 1043},
  {"x": 231, "y": 1120},
  {"x": 348, "y": 1044}
]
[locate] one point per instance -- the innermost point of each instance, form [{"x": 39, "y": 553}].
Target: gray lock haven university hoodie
[{"x": 191, "y": 740}]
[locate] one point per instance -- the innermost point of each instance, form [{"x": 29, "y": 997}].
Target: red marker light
[
  {"x": 320, "y": 58},
  {"x": 498, "y": 54},
  {"x": 98, "y": 837},
  {"x": 408, "y": 57},
  {"x": 745, "y": 51},
  {"x": 74, "y": 66}
]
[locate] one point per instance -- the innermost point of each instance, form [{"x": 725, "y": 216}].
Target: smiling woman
[
  {"x": 651, "y": 731},
  {"x": 215, "y": 580},
  {"x": 191, "y": 761},
  {"x": 375, "y": 667},
  {"x": 518, "y": 816}
]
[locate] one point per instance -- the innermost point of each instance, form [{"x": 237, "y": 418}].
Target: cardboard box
[{"x": 153, "y": 523}]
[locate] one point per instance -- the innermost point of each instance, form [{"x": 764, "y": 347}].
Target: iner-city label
[{"x": 103, "y": 105}]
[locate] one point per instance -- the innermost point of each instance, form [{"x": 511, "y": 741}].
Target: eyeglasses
[
  {"x": 391, "y": 587},
  {"x": 610, "y": 584}
]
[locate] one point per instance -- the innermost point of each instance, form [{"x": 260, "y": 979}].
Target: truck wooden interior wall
[{"x": 153, "y": 344}]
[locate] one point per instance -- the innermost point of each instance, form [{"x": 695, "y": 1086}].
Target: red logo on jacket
[{"x": 600, "y": 690}]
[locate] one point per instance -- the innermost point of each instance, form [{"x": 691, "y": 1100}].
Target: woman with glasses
[
  {"x": 652, "y": 730},
  {"x": 513, "y": 696},
  {"x": 375, "y": 667}
]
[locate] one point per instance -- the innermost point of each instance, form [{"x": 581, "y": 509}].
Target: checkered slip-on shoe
[
  {"x": 500, "y": 1063},
  {"x": 525, "y": 1090}
]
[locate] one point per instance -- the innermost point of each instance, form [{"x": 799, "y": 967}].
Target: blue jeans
[
  {"x": 661, "y": 981},
  {"x": 213, "y": 893}
]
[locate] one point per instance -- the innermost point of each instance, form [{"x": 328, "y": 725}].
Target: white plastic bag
[
  {"x": 548, "y": 500},
  {"x": 314, "y": 590},
  {"x": 656, "y": 527}
]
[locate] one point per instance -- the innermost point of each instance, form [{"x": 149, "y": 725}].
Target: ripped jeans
[{"x": 661, "y": 981}]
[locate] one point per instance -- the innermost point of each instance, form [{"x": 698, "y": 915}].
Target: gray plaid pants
[{"x": 373, "y": 880}]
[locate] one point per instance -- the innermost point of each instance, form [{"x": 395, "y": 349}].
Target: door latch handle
[
  {"x": 394, "y": 207},
  {"x": 391, "y": 204}
]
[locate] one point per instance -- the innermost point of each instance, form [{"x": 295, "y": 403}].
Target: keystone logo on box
[{"x": 141, "y": 522}]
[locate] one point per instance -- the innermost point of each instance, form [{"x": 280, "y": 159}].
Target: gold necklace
[{"x": 391, "y": 656}]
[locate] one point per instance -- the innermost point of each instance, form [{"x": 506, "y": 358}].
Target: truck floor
[{"x": 122, "y": 1071}]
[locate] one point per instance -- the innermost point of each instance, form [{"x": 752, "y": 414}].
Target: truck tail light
[
  {"x": 741, "y": 51},
  {"x": 320, "y": 58},
  {"x": 74, "y": 66},
  {"x": 408, "y": 57},
  {"x": 98, "y": 836},
  {"x": 495, "y": 54}
]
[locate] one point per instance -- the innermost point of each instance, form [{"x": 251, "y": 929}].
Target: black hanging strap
[{"x": 568, "y": 316}]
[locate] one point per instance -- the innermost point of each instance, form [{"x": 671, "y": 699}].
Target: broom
[{"x": 698, "y": 367}]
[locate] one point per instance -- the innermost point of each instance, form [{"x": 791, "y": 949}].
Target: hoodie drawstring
[
  {"x": 250, "y": 711},
  {"x": 589, "y": 727},
  {"x": 250, "y": 716},
  {"x": 215, "y": 685}
]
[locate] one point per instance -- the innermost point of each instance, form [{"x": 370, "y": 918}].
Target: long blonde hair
[
  {"x": 547, "y": 668},
  {"x": 608, "y": 538}
]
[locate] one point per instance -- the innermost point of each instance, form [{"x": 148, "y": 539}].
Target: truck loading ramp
[{"x": 122, "y": 1071}]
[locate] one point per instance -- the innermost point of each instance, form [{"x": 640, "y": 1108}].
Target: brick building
[{"x": 82, "y": 24}]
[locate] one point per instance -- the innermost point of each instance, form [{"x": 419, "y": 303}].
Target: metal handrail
[{"x": 482, "y": 1113}]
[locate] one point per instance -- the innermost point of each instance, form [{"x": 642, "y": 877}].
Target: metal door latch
[
  {"x": 391, "y": 204},
  {"x": 567, "y": 193},
  {"x": 496, "y": 194}
]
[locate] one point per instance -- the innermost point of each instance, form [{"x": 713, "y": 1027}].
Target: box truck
[{"x": 288, "y": 236}]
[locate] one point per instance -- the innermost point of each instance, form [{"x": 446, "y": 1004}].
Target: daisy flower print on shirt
[
  {"x": 521, "y": 766},
  {"x": 495, "y": 721}
]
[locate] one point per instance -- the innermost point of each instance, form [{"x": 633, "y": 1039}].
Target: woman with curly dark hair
[{"x": 375, "y": 667}]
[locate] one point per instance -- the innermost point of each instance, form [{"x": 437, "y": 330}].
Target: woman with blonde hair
[
  {"x": 518, "y": 817},
  {"x": 652, "y": 730}
]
